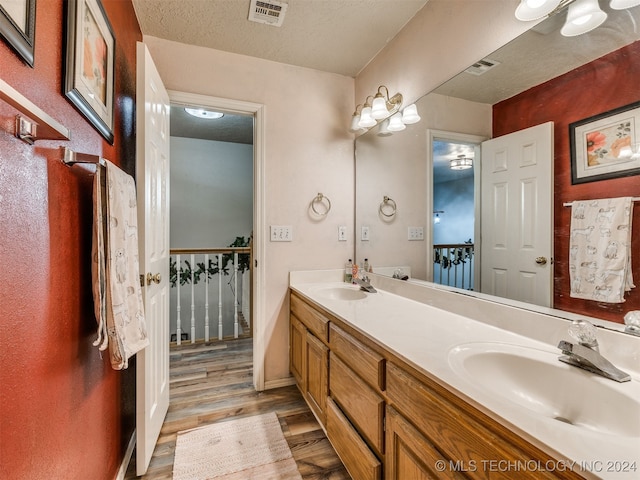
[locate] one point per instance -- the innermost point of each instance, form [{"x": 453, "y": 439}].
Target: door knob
[
  {"x": 541, "y": 260},
  {"x": 151, "y": 278}
]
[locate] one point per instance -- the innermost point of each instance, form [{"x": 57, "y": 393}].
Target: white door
[
  {"x": 152, "y": 178},
  {"x": 517, "y": 216}
]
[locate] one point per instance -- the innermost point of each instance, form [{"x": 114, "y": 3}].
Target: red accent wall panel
[
  {"x": 64, "y": 413},
  {"x": 602, "y": 85}
]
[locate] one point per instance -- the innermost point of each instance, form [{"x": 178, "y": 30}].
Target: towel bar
[
  {"x": 568, "y": 204},
  {"x": 70, "y": 158}
]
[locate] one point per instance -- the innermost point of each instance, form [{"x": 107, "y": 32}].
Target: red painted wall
[
  {"x": 604, "y": 84},
  {"x": 64, "y": 413}
]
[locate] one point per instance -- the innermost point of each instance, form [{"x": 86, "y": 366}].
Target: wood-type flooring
[{"x": 213, "y": 382}]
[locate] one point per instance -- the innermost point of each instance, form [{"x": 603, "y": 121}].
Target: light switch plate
[
  {"x": 364, "y": 234},
  {"x": 342, "y": 233},
  {"x": 281, "y": 233},
  {"x": 415, "y": 233}
]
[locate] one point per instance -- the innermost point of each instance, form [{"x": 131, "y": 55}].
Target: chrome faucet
[
  {"x": 365, "y": 285},
  {"x": 584, "y": 354}
]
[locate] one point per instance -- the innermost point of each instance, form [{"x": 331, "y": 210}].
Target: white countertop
[{"x": 424, "y": 336}]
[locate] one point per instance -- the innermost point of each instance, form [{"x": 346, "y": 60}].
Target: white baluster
[
  {"x": 206, "y": 297},
  {"x": 178, "y": 324},
  {"x": 219, "y": 296},
  {"x": 235, "y": 295},
  {"x": 193, "y": 303}
]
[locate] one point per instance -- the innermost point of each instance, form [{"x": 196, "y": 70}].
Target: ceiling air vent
[
  {"x": 270, "y": 12},
  {"x": 482, "y": 66}
]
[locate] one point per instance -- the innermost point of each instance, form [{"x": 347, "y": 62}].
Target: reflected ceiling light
[
  {"x": 395, "y": 123},
  {"x": 410, "y": 115},
  {"x": 535, "y": 9},
  {"x": 460, "y": 163},
  {"x": 384, "y": 129},
  {"x": 436, "y": 216},
  {"x": 202, "y": 113},
  {"x": 383, "y": 107},
  {"x": 582, "y": 17},
  {"x": 622, "y": 4}
]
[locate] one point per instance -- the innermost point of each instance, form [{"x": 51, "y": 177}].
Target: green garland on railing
[
  {"x": 210, "y": 270},
  {"x": 460, "y": 255}
]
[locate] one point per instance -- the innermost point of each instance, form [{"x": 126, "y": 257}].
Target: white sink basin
[
  {"x": 537, "y": 381},
  {"x": 346, "y": 292}
]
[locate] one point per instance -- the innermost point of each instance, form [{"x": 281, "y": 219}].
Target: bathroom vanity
[{"x": 407, "y": 389}]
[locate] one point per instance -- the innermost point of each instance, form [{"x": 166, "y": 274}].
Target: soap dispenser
[{"x": 348, "y": 268}]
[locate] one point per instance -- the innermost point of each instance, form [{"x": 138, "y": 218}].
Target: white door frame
[
  {"x": 259, "y": 246},
  {"x": 456, "y": 137}
]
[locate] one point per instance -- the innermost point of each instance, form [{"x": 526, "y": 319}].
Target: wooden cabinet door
[
  {"x": 297, "y": 340},
  {"x": 316, "y": 381},
  {"x": 411, "y": 455}
]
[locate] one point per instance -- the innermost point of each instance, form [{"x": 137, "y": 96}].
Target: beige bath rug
[{"x": 247, "y": 448}]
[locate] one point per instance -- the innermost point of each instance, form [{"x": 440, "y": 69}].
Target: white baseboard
[
  {"x": 280, "y": 382},
  {"x": 127, "y": 457}
]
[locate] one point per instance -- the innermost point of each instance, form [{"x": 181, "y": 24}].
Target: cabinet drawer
[
  {"x": 362, "y": 360},
  {"x": 315, "y": 321},
  {"x": 454, "y": 431},
  {"x": 360, "y": 403},
  {"x": 360, "y": 462}
]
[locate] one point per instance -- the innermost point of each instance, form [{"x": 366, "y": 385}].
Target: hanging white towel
[
  {"x": 117, "y": 293},
  {"x": 600, "y": 249}
]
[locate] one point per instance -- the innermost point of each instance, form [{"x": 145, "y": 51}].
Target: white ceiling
[{"x": 339, "y": 36}]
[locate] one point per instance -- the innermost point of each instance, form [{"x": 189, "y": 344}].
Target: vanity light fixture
[
  {"x": 203, "y": 113},
  {"x": 460, "y": 163},
  {"x": 384, "y": 129},
  {"x": 582, "y": 15},
  {"x": 383, "y": 108}
]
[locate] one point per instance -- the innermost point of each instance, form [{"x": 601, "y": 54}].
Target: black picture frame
[
  {"x": 90, "y": 63},
  {"x": 20, "y": 38},
  {"x": 606, "y": 145}
]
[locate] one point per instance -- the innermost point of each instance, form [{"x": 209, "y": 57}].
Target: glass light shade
[
  {"x": 384, "y": 129},
  {"x": 622, "y": 4},
  {"x": 395, "y": 123},
  {"x": 379, "y": 108},
  {"x": 366, "y": 120},
  {"x": 355, "y": 120},
  {"x": 582, "y": 17},
  {"x": 460, "y": 163},
  {"x": 535, "y": 9},
  {"x": 202, "y": 113},
  {"x": 410, "y": 115},
  {"x": 436, "y": 219}
]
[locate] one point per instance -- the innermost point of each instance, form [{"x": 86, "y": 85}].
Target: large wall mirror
[{"x": 530, "y": 81}]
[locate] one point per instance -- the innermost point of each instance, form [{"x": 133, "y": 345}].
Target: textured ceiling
[{"x": 339, "y": 36}]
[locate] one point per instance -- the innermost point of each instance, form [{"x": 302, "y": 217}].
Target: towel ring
[
  {"x": 319, "y": 199},
  {"x": 386, "y": 201}
]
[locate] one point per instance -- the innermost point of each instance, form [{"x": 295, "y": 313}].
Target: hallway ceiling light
[
  {"x": 202, "y": 113},
  {"x": 383, "y": 108},
  {"x": 460, "y": 163}
]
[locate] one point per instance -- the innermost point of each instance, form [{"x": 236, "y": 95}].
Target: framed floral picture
[
  {"x": 606, "y": 145},
  {"x": 89, "y": 63},
  {"x": 18, "y": 26}
]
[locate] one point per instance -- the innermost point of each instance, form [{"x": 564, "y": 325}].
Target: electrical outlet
[
  {"x": 415, "y": 233},
  {"x": 342, "y": 233},
  {"x": 281, "y": 233},
  {"x": 364, "y": 234}
]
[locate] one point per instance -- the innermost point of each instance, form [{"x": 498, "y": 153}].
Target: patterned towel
[
  {"x": 600, "y": 249},
  {"x": 117, "y": 294}
]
